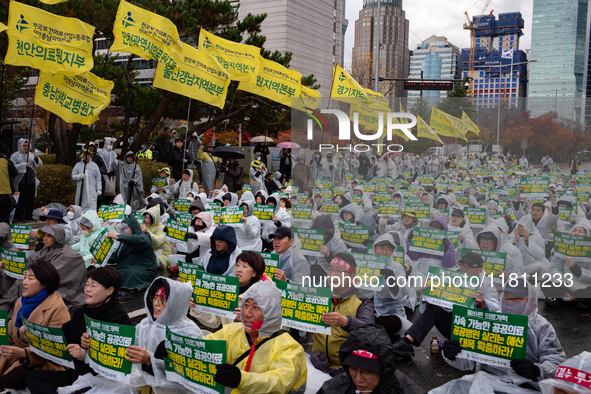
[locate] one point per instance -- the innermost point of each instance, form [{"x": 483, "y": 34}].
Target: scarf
[{"x": 28, "y": 305}]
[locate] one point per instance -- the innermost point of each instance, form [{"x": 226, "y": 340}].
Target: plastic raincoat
[
  {"x": 514, "y": 263},
  {"x": 257, "y": 178},
  {"x": 425, "y": 260},
  {"x": 129, "y": 176},
  {"x": 284, "y": 220},
  {"x": 200, "y": 246},
  {"x": 533, "y": 252},
  {"x": 279, "y": 366},
  {"x": 19, "y": 158},
  {"x": 72, "y": 226},
  {"x": 248, "y": 235},
  {"x": 149, "y": 333},
  {"x": 182, "y": 188},
  {"x": 208, "y": 170},
  {"x": 92, "y": 184},
  {"x": 581, "y": 272},
  {"x": 83, "y": 246},
  {"x": 469, "y": 240},
  {"x": 566, "y": 379},
  {"x": 332, "y": 240},
  {"x": 156, "y": 233},
  {"x": 543, "y": 348},
  {"x": 135, "y": 257}
]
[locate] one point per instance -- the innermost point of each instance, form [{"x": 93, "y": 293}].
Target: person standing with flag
[{"x": 26, "y": 181}]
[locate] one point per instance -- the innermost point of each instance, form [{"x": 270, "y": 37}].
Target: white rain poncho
[
  {"x": 72, "y": 226},
  {"x": 149, "y": 333},
  {"x": 543, "y": 348},
  {"x": 533, "y": 253},
  {"x": 83, "y": 247},
  {"x": 19, "y": 159},
  {"x": 559, "y": 266},
  {"x": 92, "y": 182},
  {"x": 514, "y": 263},
  {"x": 127, "y": 172},
  {"x": 572, "y": 203},
  {"x": 257, "y": 178},
  {"x": 248, "y": 234},
  {"x": 269, "y": 227},
  {"x": 568, "y": 380},
  {"x": 182, "y": 188},
  {"x": 465, "y": 230},
  {"x": 544, "y": 224}
]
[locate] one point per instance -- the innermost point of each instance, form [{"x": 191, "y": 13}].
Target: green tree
[
  {"x": 457, "y": 101},
  {"x": 422, "y": 108}
]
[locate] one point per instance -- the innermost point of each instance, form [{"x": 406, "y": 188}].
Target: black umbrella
[{"x": 225, "y": 152}]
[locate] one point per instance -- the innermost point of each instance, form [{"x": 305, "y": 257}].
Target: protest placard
[
  {"x": 329, "y": 206},
  {"x": 301, "y": 198},
  {"x": 446, "y": 288},
  {"x": 216, "y": 294},
  {"x": 20, "y": 235},
  {"x": 102, "y": 248},
  {"x": 493, "y": 262},
  {"x": 311, "y": 241},
  {"x": 232, "y": 216},
  {"x": 108, "y": 349},
  {"x": 534, "y": 185},
  {"x": 216, "y": 214},
  {"x": 430, "y": 240},
  {"x": 368, "y": 270},
  {"x": 4, "y": 338},
  {"x": 302, "y": 307},
  {"x": 325, "y": 193},
  {"x": 246, "y": 188},
  {"x": 491, "y": 338},
  {"x": 412, "y": 199},
  {"x": 176, "y": 231},
  {"x": 193, "y": 362},
  {"x": 301, "y": 211},
  {"x": 422, "y": 210},
  {"x": 271, "y": 263},
  {"x": 264, "y": 212},
  {"x": 494, "y": 215},
  {"x": 389, "y": 208},
  {"x": 187, "y": 271},
  {"x": 112, "y": 213},
  {"x": 477, "y": 216},
  {"x": 383, "y": 196},
  {"x": 370, "y": 186},
  {"x": 349, "y": 176},
  {"x": 159, "y": 182},
  {"x": 181, "y": 205},
  {"x": 573, "y": 246},
  {"x": 427, "y": 179},
  {"x": 183, "y": 218},
  {"x": 565, "y": 213},
  {"x": 49, "y": 343},
  {"x": 353, "y": 235},
  {"x": 322, "y": 183},
  {"x": 139, "y": 216},
  {"x": 14, "y": 263}
]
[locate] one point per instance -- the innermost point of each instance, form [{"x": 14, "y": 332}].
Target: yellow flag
[
  {"x": 275, "y": 82},
  {"x": 368, "y": 114},
  {"x": 442, "y": 124},
  {"x": 377, "y": 98},
  {"x": 403, "y": 120},
  {"x": 53, "y": 2},
  {"x": 48, "y": 42},
  {"x": 3, "y": 27},
  {"x": 241, "y": 61},
  {"x": 469, "y": 124},
  {"x": 197, "y": 75},
  {"x": 74, "y": 98},
  {"x": 424, "y": 131},
  {"x": 345, "y": 88},
  {"x": 146, "y": 34},
  {"x": 309, "y": 99}
]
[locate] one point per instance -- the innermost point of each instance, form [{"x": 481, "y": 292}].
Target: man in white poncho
[{"x": 88, "y": 180}]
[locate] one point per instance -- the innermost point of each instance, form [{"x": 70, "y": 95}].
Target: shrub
[
  {"x": 150, "y": 169},
  {"x": 48, "y": 159},
  {"x": 56, "y": 185}
]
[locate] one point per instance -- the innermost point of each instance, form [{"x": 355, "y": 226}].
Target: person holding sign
[
  {"x": 493, "y": 238},
  {"x": 369, "y": 365},
  {"x": 25, "y": 182},
  {"x": 221, "y": 258},
  {"x": 348, "y": 313},
  {"x": 199, "y": 236},
  {"x": 88, "y": 178},
  {"x": 261, "y": 358},
  {"x": 185, "y": 185},
  {"x": 40, "y": 304},
  {"x": 462, "y": 224},
  {"x": 155, "y": 230},
  {"x": 404, "y": 226},
  {"x": 426, "y": 260},
  {"x": 164, "y": 192},
  {"x": 332, "y": 244},
  {"x": 101, "y": 290},
  {"x": 543, "y": 223},
  {"x": 279, "y": 219},
  {"x": 248, "y": 235},
  {"x": 167, "y": 303},
  {"x": 529, "y": 242},
  {"x": 91, "y": 229},
  {"x": 544, "y": 351},
  {"x": 293, "y": 267}
]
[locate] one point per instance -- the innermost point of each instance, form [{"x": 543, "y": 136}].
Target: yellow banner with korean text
[
  {"x": 347, "y": 89},
  {"x": 197, "y": 75},
  {"x": 309, "y": 99},
  {"x": 146, "y": 34},
  {"x": 74, "y": 98},
  {"x": 242, "y": 62},
  {"x": 424, "y": 131},
  {"x": 443, "y": 125},
  {"x": 469, "y": 124},
  {"x": 275, "y": 82},
  {"x": 48, "y": 42}
]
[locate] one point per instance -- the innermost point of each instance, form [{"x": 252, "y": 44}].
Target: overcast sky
[{"x": 443, "y": 18}]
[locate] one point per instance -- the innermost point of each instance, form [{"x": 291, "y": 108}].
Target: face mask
[
  {"x": 109, "y": 147},
  {"x": 199, "y": 227},
  {"x": 70, "y": 215},
  {"x": 85, "y": 232},
  {"x": 513, "y": 307},
  {"x": 190, "y": 199}
]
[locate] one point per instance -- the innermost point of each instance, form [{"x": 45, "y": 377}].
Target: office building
[
  {"x": 434, "y": 58},
  {"x": 394, "y": 53},
  {"x": 500, "y": 67}
]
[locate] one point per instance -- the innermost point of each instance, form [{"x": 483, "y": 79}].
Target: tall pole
[
  {"x": 186, "y": 133},
  {"x": 377, "y": 51}
]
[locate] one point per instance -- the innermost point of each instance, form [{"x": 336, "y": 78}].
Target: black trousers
[
  {"x": 549, "y": 249},
  {"x": 26, "y": 201},
  {"x": 5, "y": 208},
  {"x": 16, "y": 378},
  {"x": 433, "y": 316},
  {"x": 47, "y": 382},
  {"x": 392, "y": 324}
]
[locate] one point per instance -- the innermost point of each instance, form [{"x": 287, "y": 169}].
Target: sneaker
[
  {"x": 553, "y": 302},
  {"x": 403, "y": 349}
]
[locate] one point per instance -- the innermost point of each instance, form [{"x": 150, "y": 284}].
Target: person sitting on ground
[
  {"x": 293, "y": 266},
  {"x": 199, "y": 236},
  {"x": 164, "y": 192},
  {"x": 572, "y": 376},
  {"x": 55, "y": 217},
  {"x": 155, "y": 230},
  {"x": 101, "y": 303},
  {"x": 348, "y": 313},
  {"x": 368, "y": 362},
  {"x": 276, "y": 364},
  {"x": 221, "y": 258},
  {"x": 544, "y": 351},
  {"x": 135, "y": 258},
  {"x": 69, "y": 264},
  {"x": 426, "y": 260},
  {"x": 91, "y": 229},
  {"x": 40, "y": 304},
  {"x": 10, "y": 288},
  {"x": 248, "y": 235}
]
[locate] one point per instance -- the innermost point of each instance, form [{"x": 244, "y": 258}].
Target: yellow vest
[{"x": 330, "y": 344}]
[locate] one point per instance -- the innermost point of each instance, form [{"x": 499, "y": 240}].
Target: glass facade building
[{"x": 560, "y": 49}]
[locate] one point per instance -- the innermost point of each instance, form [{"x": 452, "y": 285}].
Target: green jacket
[{"x": 135, "y": 258}]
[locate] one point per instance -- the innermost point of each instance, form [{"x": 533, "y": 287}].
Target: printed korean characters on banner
[
  {"x": 329, "y": 206},
  {"x": 14, "y": 263},
  {"x": 4, "y": 338},
  {"x": 232, "y": 216},
  {"x": 146, "y": 34},
  {"x": 192, "y": 362},
  {"x": 275, "y": 82},
  {"x": 311, "y": 240},
  {"x": 264, "y": 212},
  {"x": 197, "y": 75},
  {"x": 49, "y": 343},
  {"x": 74, "y": 98},
  {"x": 309, "y": 99},
  {"x": 353, "y": 235},
  {"x": 188, "y": 271},
  {"x": 159, "y": 182},
  {"x": 271, "y": 263},
  {"x": 102, "y": 248},
  {"x": 369, "y": 270},
  {"x": 429, "y": 240},
  {"x": 184, "y": 218},
  {"x": 181, "y": 205},
  {"x": 302, "y": 307},
  {"x": 20, "y": 235},
  {"x": 494, "y": 262},
  {"x": 112, "y": 213},
  {"x": 345, "y": 88},
  {"x": 108, "y": 349},
  {"x": 477, "y": 216},
  {"x": 242, "y": 62},
  {"x": 534, "y": 186},
  {"x": 176, "y": 231},
  {"x": 422, "y": 210},
  {"x": 216, "y": 294},
  {"x": 491, "y": 338},
  {"x": 301, "y": 212},
  {"x": 48, "y": 42},
  {"x": 572, "y": 246},
  {"x": 446, "y": 288},
  {"x": 391, "y": 208}
]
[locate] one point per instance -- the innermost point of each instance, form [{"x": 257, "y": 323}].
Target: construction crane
[{"x": 472, "y": 27}]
